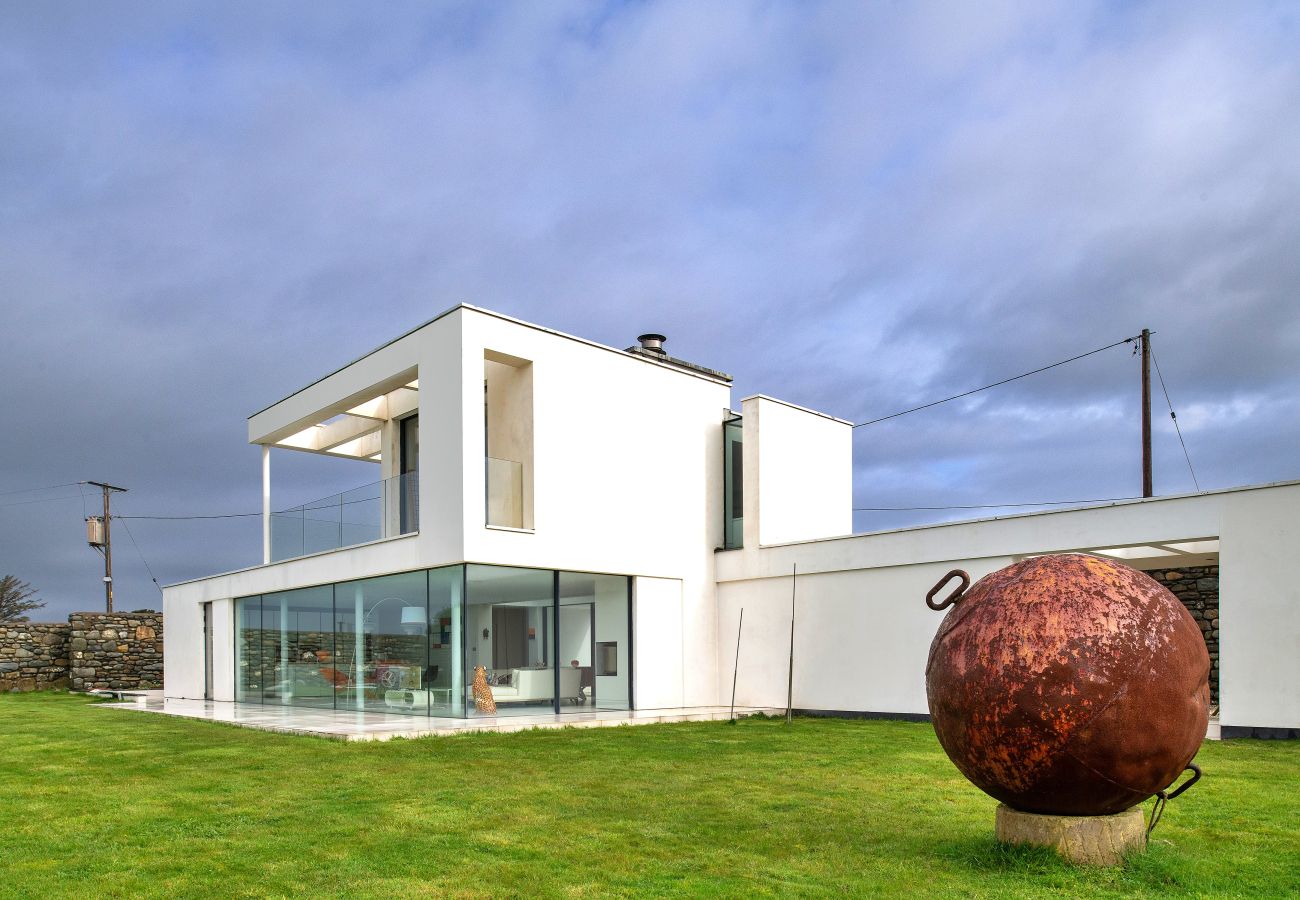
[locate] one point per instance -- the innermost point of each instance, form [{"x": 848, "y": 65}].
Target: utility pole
[
  {"x": 105, "y": 544},
  {"x": 1146, "y": 412}
]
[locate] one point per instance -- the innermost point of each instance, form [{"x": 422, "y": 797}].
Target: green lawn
[{"x": 104, "y": 802}]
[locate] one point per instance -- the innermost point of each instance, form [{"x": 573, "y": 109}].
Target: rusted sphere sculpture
[{"x": 1068, "y": 685}]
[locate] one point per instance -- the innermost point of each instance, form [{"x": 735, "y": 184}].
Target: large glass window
[
  {"x": 510, "y": 629},
  {"x": 298, "y": 642},
  {"x": 381, "y": 640},
  {"x": 444, "y": 677},
  {"x": 594, "y": 639},
  {"x": 412, "y": 643},
  {"x": 248, "y": 649}
]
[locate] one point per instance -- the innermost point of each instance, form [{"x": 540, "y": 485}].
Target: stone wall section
[
  {"x": 115, "y": 651},
  {"x": 1198, "y": 589},
  {"x": 33, "y": 656}
]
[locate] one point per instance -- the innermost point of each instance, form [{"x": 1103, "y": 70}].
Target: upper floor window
[
  {"x": 733, "y": 484},
  {"x": 508, "y": 439}
]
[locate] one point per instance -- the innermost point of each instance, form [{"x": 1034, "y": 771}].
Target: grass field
[{"x": 105, "y": 802}]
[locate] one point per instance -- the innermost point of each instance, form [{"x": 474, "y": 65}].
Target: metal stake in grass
[
  {"x": 736, "y": 665},
  {"x": 789, "y": 687}
]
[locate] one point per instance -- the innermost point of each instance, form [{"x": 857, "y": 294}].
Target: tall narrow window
[
  {"x": 207, "y": 651},
  {"x": 409, "y": 479},
  {"x": 508, "y": 438},
  {"x": 733, "y": 480}
]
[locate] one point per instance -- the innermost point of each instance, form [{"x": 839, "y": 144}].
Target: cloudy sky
[{"x": 858, "y": 207}]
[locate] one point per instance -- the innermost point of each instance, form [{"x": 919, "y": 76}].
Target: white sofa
[{"x": 535, "y": 685}]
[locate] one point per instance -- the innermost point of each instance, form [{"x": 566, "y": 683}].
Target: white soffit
[
  {"x": 355, "y": 432},
  {"x": 1169, "y": 553},
  {"x": 1142, "y": 552}
]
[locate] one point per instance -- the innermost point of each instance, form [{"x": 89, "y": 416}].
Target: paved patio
[{"x": 350, "y": 725}]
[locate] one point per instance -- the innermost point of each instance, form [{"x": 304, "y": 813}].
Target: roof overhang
[{"x": 350, "y": 428}]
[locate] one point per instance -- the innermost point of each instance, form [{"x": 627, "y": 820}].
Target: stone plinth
[{"x": 1086, "y": 840}]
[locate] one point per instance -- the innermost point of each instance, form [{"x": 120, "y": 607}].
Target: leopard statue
[{"x": 483, "y": 700}]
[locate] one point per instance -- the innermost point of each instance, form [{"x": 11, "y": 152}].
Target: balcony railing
[
  {"x": 382, "y": 509},
  {"x": 505, "y": 493}
]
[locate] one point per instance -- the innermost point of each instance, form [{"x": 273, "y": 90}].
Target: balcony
[{"x": 387, "y": 508}]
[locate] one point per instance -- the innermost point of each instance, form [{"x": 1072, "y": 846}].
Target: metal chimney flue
[{"x": 653, "y": 343}]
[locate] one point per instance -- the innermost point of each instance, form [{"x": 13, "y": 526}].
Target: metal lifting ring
[{"x": 951, "y": 598}]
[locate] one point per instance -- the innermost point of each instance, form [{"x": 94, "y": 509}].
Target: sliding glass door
[
  {"x": 510, "y": 659},
  {"x": 594, "y": 638}
]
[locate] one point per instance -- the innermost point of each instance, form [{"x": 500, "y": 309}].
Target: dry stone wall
[
  {"x": 1198, "y": 589},
  {"x": 115, "y": 651},
  {"x": 33, "y": 656}
]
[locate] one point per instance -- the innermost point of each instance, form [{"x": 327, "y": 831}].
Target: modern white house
[{"x": 586, "y": 523}]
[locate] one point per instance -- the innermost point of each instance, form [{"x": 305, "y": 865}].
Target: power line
[
  {"x": 990, "y": 505},
  {"x": 39, "y": 500},
  {"x": 1127, "y": 340},
  {"x": 34, "y": 490},
  {"x": 141, "y": 554},
  {"x": 1174, "y": 416}
]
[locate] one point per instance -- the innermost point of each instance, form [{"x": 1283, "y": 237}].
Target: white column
[
  {"x": 286, "y": 682},
  {"x": 266, "y": 504},
  {"x": 390, "y": 490},
  {"x": 359, "y": 650},
  {"x": 457, "y": 647}
]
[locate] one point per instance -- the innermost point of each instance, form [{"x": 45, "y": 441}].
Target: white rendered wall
[
  {"x": 798, "y": 473},
  {"x": 627, "y": 480},
  {"x": 183, "y": 647},
  {"x": 863, "y": 631},
  {"x": 575, "y": 634},
  {"x": 659, "y": 657},
  {"x": 1259, "y": 610},
  {"x": 223, "y": 659},
  {"x": 183, "y": 663}
]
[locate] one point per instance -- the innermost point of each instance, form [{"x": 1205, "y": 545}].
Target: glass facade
[{"x": 454, "y": 641}]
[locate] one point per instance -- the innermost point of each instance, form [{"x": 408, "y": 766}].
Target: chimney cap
[{"x": 652, "y": 342}]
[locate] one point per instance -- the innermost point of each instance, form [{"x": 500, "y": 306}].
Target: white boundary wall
[{"x": 863, "y": 630}]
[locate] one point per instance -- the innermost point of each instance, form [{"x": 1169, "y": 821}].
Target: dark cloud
[{"x": 858, "y": 208}]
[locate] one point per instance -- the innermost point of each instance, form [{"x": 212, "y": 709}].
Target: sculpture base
[{"x": 1086, "y": 840}]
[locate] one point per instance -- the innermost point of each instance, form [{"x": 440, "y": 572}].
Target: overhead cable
[
  {"x": 152, "y": 577},
  {"x": 38, "y": 500},
  {"x": 34, "y": 490},
  {"x": 1174, "y": 416},
  {"x": 1127, "y": 340}
]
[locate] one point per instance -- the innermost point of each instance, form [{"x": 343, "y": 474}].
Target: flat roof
[
  {"x": 1083, "y": 507},
  {"x": 669, "y": 363}
]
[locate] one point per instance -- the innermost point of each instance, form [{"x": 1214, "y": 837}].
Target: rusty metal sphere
[{"x": 1068, "y": 685}]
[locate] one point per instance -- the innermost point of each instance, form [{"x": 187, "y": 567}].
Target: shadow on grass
[
  {"x": 987, "y": 855},
  {"x": 1157, "y": 869}
]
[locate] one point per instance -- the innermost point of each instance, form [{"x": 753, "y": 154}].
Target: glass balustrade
[
  {"x": 505, "y": 493},
  {"x": 382, "y": 509}
]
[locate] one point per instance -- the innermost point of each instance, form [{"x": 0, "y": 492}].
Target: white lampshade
[{"x": 414, "y": 615}]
